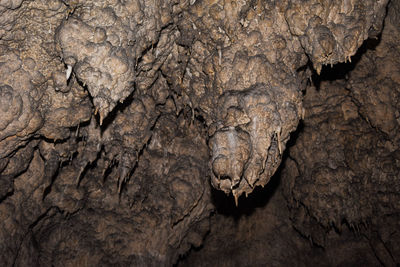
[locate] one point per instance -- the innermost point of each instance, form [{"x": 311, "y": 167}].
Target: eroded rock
[{"x": 115, "y": 115}]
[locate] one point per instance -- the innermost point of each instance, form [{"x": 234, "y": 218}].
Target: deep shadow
[
  {"x": 225, "y": 204},
  {"x": 340, "y": 71}
]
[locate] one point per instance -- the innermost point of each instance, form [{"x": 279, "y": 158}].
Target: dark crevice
[
  {"x": 340, "y": 71},
  {"x": 7, "y": 195}
]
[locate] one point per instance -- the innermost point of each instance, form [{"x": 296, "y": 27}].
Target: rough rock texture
[
  {"x": 339, "y": 184},
  {"x": 351, "y": 181},
  {"x": 116, "y": 117},
  {"x": 261, "y": 233},
  {"x": 344, "y": 168},
  {"x": 254, "y": 52},
  {"x": 331, "y": 31},
  {"x": 156, "y": 219},
  {"x": 103, "y": 43}
]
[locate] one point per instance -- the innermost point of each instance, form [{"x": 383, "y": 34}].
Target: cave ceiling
[{"x": 201, "y": 132}]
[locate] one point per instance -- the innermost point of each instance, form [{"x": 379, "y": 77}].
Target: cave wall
[
  {"x": 352, "y": 179},
  {"x": 338, "y": 187},
  {"x": 117, "y": 118}
]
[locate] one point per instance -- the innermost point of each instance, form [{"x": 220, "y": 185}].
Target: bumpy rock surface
[
  {"x": 351, "y": 181},
  {"x": 332, "y": 31},
  {"x": 340, "y": 177},
  {"x": 248, "y": 58},
  {"x": 117, "y": 116},
  {"x": 344, "y": 167}
]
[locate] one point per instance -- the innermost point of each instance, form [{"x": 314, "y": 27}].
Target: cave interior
[{"x": 199, "y": 133}]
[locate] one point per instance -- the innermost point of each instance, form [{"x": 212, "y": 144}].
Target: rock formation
[{"x": 122, "y": 122}]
